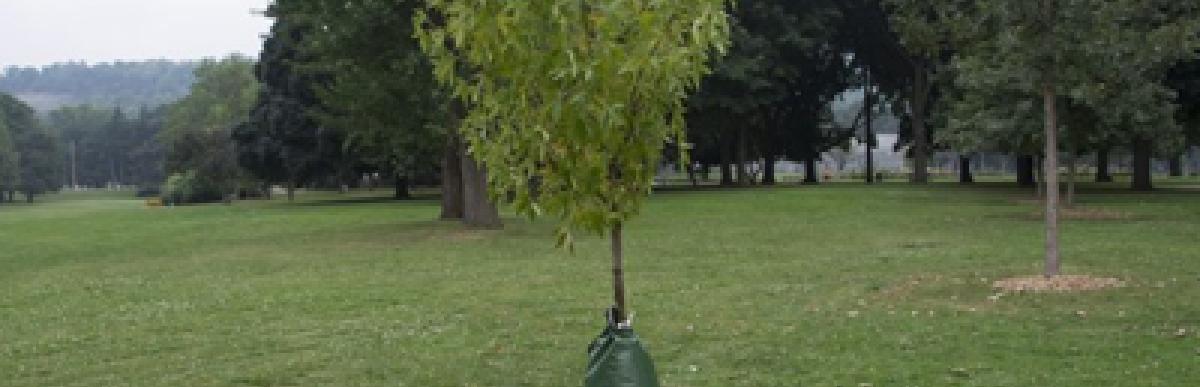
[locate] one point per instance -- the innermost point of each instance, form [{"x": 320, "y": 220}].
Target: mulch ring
[{"x": 1057, "y": 284}]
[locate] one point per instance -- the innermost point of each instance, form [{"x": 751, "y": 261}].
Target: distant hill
[{"x": 128, "y": 85}]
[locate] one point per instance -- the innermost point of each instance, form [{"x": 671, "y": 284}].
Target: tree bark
[
  {"x": 964, "y": 170},
  {"x": 1025, "y": 171},
  {"x": 618, "y": 274},
  {"x": 1176, "y": 166},
  {"x": 1051, "y": 177},
  {"x": 810, "y": 171},
  {"x": 291, "y": 190},
  {"x": 726, "y": 168},
  {"x": 452, "y": 179},
  {"x": 920, "y": 151},
  {"x": 768, "y": 170},
  {"x": 1142, "y": 154},
  {"x": 869, "y": 131},
  {"x": 743, "y": 175},
  {"x": 478, "y": 208},
  {"x": 402, "y": 187},
  {"x": 1102, "y": 174}
]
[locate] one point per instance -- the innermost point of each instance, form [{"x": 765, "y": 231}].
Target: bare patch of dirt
[{"x": 1057, "y": 284}]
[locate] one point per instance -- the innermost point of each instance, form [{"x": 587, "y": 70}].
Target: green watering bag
[{"x": 617, "y": 359}]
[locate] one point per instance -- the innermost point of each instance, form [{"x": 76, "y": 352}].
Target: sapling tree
[
  {"x": 1098, "y": 54},
  {"x": 569, "y": 103}
]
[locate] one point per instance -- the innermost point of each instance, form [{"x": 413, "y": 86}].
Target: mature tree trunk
[
  {"x": 743, "y": 175},
  {"x": 452, "y": 179},
  {"x": 618, "y": 274},
  {"x": 291, "y": 189},
  {"x": 478, "y": 208},
  {"x": 1051, "y": 177},
  {"x": 1071, "y": 180},
  {"x": 402, "y": 187},
  {"x": 768, "y": 170},
  {"x": 1025, "y": 171},
  {"x": 920, "y": 101},
  {"x": 1102, "y": 174},
  {"x": 1142, "y": 154},
  {"x": 964, "y": 170},
  {"x": 29, "y": 196},
  {"x": 1176, "y": 166},
  {"x": 810, "y": 171}
]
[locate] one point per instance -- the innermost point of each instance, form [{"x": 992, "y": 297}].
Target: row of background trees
[{"x": 342, "y": 88}]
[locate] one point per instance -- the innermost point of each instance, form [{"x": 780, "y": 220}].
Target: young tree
[
  {"x": 579, "y": 96},
  {"x": 1090, "y": 52}
]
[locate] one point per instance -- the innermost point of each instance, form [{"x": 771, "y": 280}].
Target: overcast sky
[{"x": 40, "y": 32}]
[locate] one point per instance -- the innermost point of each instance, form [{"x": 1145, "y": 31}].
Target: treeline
[
  {"x": 342, "y": 88},
  {"x": 119, "y": 84},
  {"x": 108, "y": 147}
]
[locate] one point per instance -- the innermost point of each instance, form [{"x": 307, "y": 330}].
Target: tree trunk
[
  {"x": 1142, "y": 154},
  {"x": 291, "y": 190},
  {"x": 478, "y": 208},
  {"x": 1041, "y": 177},
  {"x": 402, "y": 191},
  {"x": 964, "y": 170},
  {"x": 768, "y": 177},
  {"x": 29, "y": 196},
  {"x": 452, "y": 179},
  {"x": 920, "y": 151},
  {"x": 1051, "y": 177},
  {"x": 1025, "y": 171},
  {"x": 1070, "y": 202},
  {"x": 1102, "y": 174},
  {"x": 810, "y": 171},
  {"x": 1176, "y": 166},
  {"x": 726, "y": 169},
  {"x": 743, "y": 175},
  {"x": 868, "y": 130},
  {"x": 618, "y": 274}
]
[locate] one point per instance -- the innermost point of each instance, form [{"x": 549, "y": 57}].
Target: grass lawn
[{"x": 835, "y": 285}]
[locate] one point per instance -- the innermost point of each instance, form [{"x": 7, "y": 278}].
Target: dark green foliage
[
  {"x": 282, "y": 141},
  {"x": 377, "y": 87},
  {"x": 770, "y": 95},
  {"x": 37, "y": 163}
]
